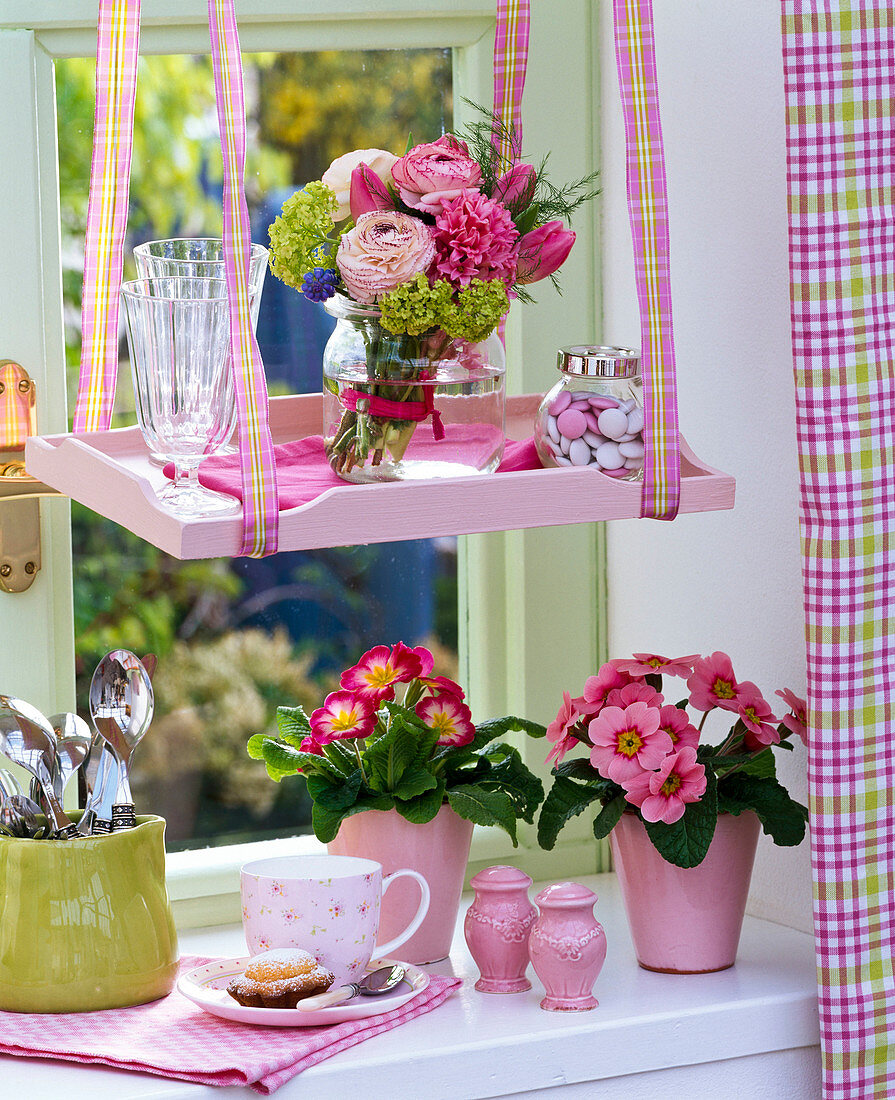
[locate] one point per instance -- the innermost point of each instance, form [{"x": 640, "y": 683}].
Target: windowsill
[{"x": 478, "y": 1045}]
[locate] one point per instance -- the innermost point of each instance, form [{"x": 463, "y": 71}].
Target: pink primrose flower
[
  {"x": 434, "y": 173},
  {"x": 376, "y": 673},
  {"x": 627, "y": 741},
  {"x": 543, "y": 251},
  {"x": 448, "y": 715},
  {"x": 558, "y": 730},
  {"x": 443, "y": 685},
  {"x": 797, "y": 722},
  {"x": 677, "y": 725},
  {"x": 308, "y": 744},
  {"x": 638, "y": 692},
  {"x": 596, "y": 688},
  {"x": 648, "y": 664},
  {"x": 713, "y": 683},
  {"x": 383, "y": 250},
  {"x": 368, "y": 193},
  {"x": 755, "y": 712},
  {"x": 343, "y": 714},
  {"x": 663, "y": 795},
  {"x": 475, "y": 239}
]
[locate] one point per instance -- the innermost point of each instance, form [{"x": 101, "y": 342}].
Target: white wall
[{"x": 725, "y": 580}]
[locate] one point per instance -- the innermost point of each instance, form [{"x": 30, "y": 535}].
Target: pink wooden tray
[{"x": 110, "y": 472}]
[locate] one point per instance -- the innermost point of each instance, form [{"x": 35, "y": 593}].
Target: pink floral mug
[{"x": 326, "y": 905}]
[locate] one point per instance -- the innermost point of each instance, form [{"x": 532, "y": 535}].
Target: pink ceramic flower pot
[
  {"x": 685, "y": 920},
  {"x": 438, "y": 850}
]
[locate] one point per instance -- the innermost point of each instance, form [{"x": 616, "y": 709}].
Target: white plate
[{"x": 206, "y": 986}]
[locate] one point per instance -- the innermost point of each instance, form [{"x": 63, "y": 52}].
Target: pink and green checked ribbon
[
  {"x": 257, "y": 464},
  {"x": 510, "y": 62},
  {"x": 648, "y": 213},
  {"x": 116, "y": 72},
  {"x": 840, "y": 137},
  {"x": 117, "y": 50}
]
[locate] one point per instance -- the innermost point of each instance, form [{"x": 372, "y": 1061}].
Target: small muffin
[{"x": 279, "y": 979}]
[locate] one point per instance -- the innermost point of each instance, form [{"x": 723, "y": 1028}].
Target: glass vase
[{"x": 402, "y": 407}]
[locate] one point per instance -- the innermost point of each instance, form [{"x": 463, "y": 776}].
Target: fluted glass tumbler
[{"x": 178, "y": 332}]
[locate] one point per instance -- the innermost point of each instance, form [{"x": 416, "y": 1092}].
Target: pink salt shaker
[
  {"x": 497, "y": 926},
  {"x": 567, "y": 947}
]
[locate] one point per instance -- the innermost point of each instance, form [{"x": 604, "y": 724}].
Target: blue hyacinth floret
[{"x": 319, "y": 284}]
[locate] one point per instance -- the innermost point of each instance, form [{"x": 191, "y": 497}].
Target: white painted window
[{"x": 530, "y": 601}]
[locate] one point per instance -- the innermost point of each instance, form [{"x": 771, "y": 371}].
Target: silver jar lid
[{"x": 590, "y": 361}]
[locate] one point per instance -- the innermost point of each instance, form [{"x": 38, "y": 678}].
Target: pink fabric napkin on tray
[
  {"x": 304, "y": 472},
  {"x": 175, "y": 1038}
]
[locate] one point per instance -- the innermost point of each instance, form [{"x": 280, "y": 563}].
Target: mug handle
[{"x": 385, "y": 949}]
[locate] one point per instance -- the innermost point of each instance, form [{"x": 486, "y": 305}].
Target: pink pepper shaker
[
  {"x": 567, "y": 947},
  {"x": 497, "y": 926}
]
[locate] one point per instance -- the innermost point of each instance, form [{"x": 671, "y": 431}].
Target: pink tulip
[
  {"x": 516, "y": 189},
  {"x": 368, "y": 193},
  {"x": 543, "y": 251}
]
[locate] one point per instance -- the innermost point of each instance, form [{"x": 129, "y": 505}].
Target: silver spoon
[
  {"x": 373, "y": 984},
  {"x": 27, "y": 739},
  {"x": 73, "y": 739},
  {"x": 19, "y": 815},
  {"x": 121, "y": 706}
]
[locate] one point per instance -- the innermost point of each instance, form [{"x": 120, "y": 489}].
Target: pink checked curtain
[{"x": 839, "y": 61}]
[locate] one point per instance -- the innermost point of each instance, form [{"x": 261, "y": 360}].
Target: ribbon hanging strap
[
  {"x": 117, "y": 50},
  {"x": 510, "y": 61},
  {"x": 257, "y": 464},
  {"x": 648, "y": 213}
]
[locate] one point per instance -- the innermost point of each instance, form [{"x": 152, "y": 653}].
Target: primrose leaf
[
  {"x": 511, "y": 775},
  {"x": 781, "y": 817},
  {"x": 292, "y": 722},
  {"x": 485, "y": 808},
  {"x": 423, "y": 807},
  {"x": 686, "y": 842},
  {"x": 414, "y": 782},
  {"x": 609, "y": 816},
  {"x": 564, "y": 800}
]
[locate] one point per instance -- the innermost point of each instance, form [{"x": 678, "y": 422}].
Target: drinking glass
[
  {"x": 178, "y": 332},
  {"x": 199, "y": 257}
]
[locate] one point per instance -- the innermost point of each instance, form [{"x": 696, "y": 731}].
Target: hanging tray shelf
[{"x": 110, "y": 472}]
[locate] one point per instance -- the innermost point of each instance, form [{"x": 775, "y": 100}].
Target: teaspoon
[{"x": 373, "y": 984}]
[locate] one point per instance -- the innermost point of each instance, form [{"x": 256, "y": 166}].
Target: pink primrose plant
[
  {"x": 647, "y": 756},
  {"x": 449, "y": 716}
]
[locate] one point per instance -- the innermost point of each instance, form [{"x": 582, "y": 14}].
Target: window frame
[{"x": 520, "y": 645}]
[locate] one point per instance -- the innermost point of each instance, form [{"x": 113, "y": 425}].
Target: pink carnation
[{"x": 475, "y": 239}]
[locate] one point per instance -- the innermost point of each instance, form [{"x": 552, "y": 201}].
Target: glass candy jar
[
  {"x": 593, "y": 416},
  {"x": 401, "y": 407}
]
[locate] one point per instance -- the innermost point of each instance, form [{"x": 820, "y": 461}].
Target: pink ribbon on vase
[{"x": 396, "y": 410}]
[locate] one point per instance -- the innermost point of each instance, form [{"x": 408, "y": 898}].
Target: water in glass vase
[{"x": 401, "y": 407}]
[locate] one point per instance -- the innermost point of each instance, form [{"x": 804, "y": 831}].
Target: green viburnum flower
[
  {"x": 477, "y": 310},
  {"x": 415, "y": 307},
  {"x": 302, "y": 238}
]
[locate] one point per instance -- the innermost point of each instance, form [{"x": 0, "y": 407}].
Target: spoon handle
[{"x": 327, "y": 1000}]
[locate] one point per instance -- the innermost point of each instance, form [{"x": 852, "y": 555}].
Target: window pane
[{"x": 237, "y": 638}]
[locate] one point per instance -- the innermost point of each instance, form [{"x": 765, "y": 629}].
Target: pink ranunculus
[
  {"x": 755, "y": 712},
  {"x": 651, "y": 664},
  {"x": 663, "y": 795},
  {"x": 382, "y": 251},
  {"x": 338, "y": 176},
  {"x": 450, "y": 716},
  {"x": 516, "y": 188},
  {"x": 343, "y": 714},
  {"x": 434, "y": 172},
  {"x": 627, "y": 741},
  {"x": 543, "y": 251},
  {"x": 376, "y": 673},
  {"x": 368, "y": 193},
  {"x": 713, "y": 683},
  {"x": 558, "y": 730},
  {"x": 797, "y": 722},
  {"x": 638, "y": 692},
  {"x": 678, "y": 726},
  {"x": 475, "y": 239}
]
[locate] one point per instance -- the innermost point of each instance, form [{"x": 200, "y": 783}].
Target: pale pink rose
[
  {"x": 338, "y": 176},
  {"x": 382, "y": 251},
  {"x": 436, "y": 171}
]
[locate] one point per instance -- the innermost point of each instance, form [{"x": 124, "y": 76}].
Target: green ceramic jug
[{"x": 85, "y": 924}]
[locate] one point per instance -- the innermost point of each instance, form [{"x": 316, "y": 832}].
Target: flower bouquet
[
  {"x": 418, "y": 257},
  {"x": 645, "y": 755},
  {"x": 365, "y": 749}
]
